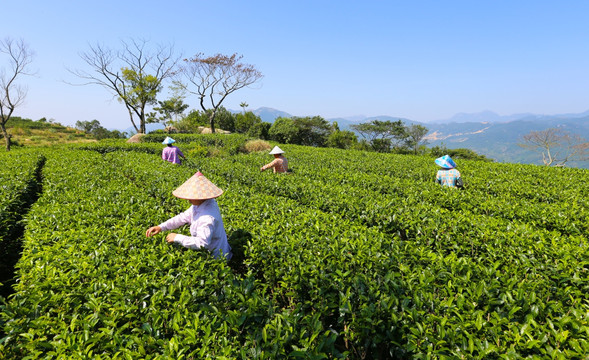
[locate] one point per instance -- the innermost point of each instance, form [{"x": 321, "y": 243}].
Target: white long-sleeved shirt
[{"x": 206, "y": 229}]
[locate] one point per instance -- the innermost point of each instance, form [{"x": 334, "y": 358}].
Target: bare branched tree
[
  {"x": 134, "y": 74},
  {"x": 557, "y": 146},
  {"x": 215, "y": 77},
  {"x": 19, "y": 60}
]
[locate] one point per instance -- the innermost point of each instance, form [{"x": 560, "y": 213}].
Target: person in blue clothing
[{"x": 448, "y": 175}]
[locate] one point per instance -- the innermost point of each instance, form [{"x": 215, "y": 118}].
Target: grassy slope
[{"x": 40, "y": 133}]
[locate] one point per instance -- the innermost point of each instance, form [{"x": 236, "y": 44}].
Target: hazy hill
[
  {"x": 484, "y": 116},
  {"x": 500, "y": 140},
  {"x": 269, "y": 115}
]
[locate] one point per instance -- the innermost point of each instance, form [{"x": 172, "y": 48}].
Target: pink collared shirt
[
  {"x": 280, "y": 165},
  {"x": 172, "y": 154},
  {"x": 206, "y": 229}
]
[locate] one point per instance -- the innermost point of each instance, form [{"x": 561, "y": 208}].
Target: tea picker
[{"x": 203, "y": 216}]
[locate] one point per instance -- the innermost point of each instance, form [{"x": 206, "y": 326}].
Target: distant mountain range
[
  {"x": 486, "y": 133},
  {"x": 499, "y": 140}
]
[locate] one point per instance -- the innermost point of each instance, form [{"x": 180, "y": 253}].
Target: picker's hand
[
  {"x": 153, "y": 231},
  {"x": 170, "y": 237}
]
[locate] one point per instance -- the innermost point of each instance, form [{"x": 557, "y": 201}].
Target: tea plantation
[{"x": 354, "y": 255}]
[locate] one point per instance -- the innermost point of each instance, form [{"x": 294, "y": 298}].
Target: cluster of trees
[
  {"x": 386, "y": 136},
  {"x": 98, "y": 131},
  {"x": 242, "y": 123},
  {"x": 135, "y": 75},
  {"x": 376, "y": 135}
]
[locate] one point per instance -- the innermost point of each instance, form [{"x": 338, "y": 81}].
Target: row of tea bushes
[
  {"x": 20, "y": 176},
  {"x": 193, "y": 146}
]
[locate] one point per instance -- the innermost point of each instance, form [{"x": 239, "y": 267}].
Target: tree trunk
[
  {"x": 212, "y": 120},
  {"x": 6, "y": 136},
  {"x": 141, "y": 116},
  {"x": 131, "y": 117}
]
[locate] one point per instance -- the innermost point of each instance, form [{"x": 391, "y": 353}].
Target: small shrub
[
  {"x": 256, "y": 146},
  {"x": 197, "y": 151},
  {"x": 158, "y": 131},
  {"x": 215, "y": 152}
]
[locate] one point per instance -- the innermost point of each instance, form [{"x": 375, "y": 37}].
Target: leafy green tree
[
  {"x": 169, "y": 110},
  {"x": 12, "y": 94},
  {"x": 342, "y": 139},
  {"x": 382, "y": 135},
  {"x": 260, "y": 130},
  {"x": 313, "y": 131},
  {"x": 87, "y": 126},
  {"x": 216, "y": 77},
  {"x": 225, "y": 119},
  {"x": 139, "y": 90},
  {"x": 243, "y": 122},
  {"x": 98, "y": 131},
  {"x": 284, "y": 130},
  {"x": 134, "y": 75},
  {"x": 415, "y": 134},
  {"x": 309, "y": 131},
  {"x": 191, "y": 122},
  {"x": 196, "y": 118}
]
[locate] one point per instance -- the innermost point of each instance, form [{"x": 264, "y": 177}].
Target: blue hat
[
  {"x": 446, "y": 162},
  {"x": 168, "y": 140}
]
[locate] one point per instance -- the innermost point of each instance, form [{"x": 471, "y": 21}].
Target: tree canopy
[
  {"x": 310, "y": 131},
  {"x": 382, "y": 135}
]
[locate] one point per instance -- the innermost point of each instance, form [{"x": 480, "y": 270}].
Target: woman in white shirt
[{"x": 206, "y": 225}]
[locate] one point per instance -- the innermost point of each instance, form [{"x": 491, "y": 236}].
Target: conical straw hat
[
  {"x": 198, "y": 187},
  {"x": 168, "y": 140},
  {"x": 276, "y": 150}
]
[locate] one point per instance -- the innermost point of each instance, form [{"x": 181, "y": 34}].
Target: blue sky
[{"x": 421, "y": 60}]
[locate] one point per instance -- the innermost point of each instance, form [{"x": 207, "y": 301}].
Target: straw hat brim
[
  {"x": 198, "y": 187},
  {"x": 276, "y": 150}
]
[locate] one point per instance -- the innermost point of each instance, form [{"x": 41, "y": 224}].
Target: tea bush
[
  {"x": 355, "y": 255},
  {"x": 19, "y": 188}
]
